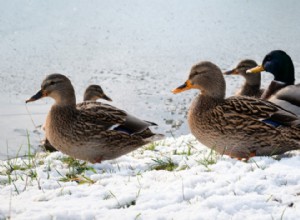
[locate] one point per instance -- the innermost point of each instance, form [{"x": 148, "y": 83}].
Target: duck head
[
  {"x": 206, "y": 77},
  {"x": 58, "y": 87},
  {"x": 280, "y": 64},
  {"x": 241, "y": 69},
  {"x": 94, "y": 92}
]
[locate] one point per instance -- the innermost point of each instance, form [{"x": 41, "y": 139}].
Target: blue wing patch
[{"x": 270, "y": 122}]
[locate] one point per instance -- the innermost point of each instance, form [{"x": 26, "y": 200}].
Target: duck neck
[
  {"x": 203, "y": 103},
  {"x": 284, "y": 71},
  {"x": 248, "y": 89},
  {"x": 288, "y": 79},
  {"x": 65, "y": 98},
  {"x": 86, "y": 97},
  {"x": 89, "y": 97},
  {"x": 274, "y": 87}
]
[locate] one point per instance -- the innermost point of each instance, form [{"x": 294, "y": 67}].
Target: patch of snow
[{"x": 202, "y": 185}]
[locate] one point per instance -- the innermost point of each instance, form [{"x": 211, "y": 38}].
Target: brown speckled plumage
[
  {"x": 237, "y": 126},
  {"x": 251, "y": 86},
  {"x": 90, "y": 131},
  {"x": 92, "y": 93}
]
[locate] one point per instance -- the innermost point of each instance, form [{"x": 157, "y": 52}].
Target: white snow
[{"x": 203, "y": 185}]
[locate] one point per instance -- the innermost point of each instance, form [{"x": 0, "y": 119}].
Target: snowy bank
[{"x": 172, "y": 179}]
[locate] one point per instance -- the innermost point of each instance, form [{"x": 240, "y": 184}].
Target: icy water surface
[{"x": 137, "y": 50}]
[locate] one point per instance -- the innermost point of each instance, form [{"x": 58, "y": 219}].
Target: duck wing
[
  {"x": 103, "y": 112},
  {"x": 288, "y": 98},
  {"x": 261, "y": 110},
  {"x": 113, "y": 118}
]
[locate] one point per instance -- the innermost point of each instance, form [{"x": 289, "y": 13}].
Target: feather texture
[{"x": 88, "y": 130}]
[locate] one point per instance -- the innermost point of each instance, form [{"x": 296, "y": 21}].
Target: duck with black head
[{"x": 281, "y": 90}]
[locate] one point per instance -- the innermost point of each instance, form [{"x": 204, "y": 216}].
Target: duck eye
[{"x": 51, "y": 83}]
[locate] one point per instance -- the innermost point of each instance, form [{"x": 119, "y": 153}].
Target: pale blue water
[{"x": 138, "y": 50}]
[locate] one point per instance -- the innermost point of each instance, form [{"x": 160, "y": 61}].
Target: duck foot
[
  {"x": 252, "y": 154},
  {"x": 97, "y": 159}
]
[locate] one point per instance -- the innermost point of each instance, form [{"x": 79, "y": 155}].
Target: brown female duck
[
  {"x": 90, "y": 131},
  {"x": 92, "y": 93},
  {"x": 251, "y": 86},
  {"x": 238, "y": 126}
]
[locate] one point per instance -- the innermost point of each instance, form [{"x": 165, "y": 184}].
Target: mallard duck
[
  {"x": 90, "y": 131},
  {"x": 251, "y": 86},
  {"x": 281, "y": 90},
  {"x": 238, "y": 126},
  {"x": 92, "y": 93}
]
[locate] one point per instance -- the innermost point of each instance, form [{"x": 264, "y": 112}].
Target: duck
[
  {"x": 92, "y": 93},
  {"x": 282, "y": 90},
  {"x": 238, "y": 126},
  {"x": 90, "y": 131},
  {"x": 252, "y": 83},
  {"x": 95, "y": 92}
]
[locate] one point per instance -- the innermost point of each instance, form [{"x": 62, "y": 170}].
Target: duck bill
[
  {"x": 257, "y": 69},
  {"x": 40, "y": 94},
  {"x": 186, "y": 86},
  {"x": 106, "y": 98},
  {"x": 231, "y": 72}
]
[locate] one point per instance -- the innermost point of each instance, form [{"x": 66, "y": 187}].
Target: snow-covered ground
[{"x": 172, "y": 179}]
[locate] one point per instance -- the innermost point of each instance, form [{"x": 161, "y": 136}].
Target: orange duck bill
[
  {"x": 231, "y": 72},
  {"x": 186, "y": 86}
]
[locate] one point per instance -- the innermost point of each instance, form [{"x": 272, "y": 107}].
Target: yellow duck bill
[{"x": 256, "y": 69}]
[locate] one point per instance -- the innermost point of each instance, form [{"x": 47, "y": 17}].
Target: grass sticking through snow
[
  {"x": 76, "y": 171},
  {"x": 25, "y": 168},
  {"x": 209, "y": 159},
  {"x": 21, "y": 168},
  {"x": 161, "y": 164}
]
